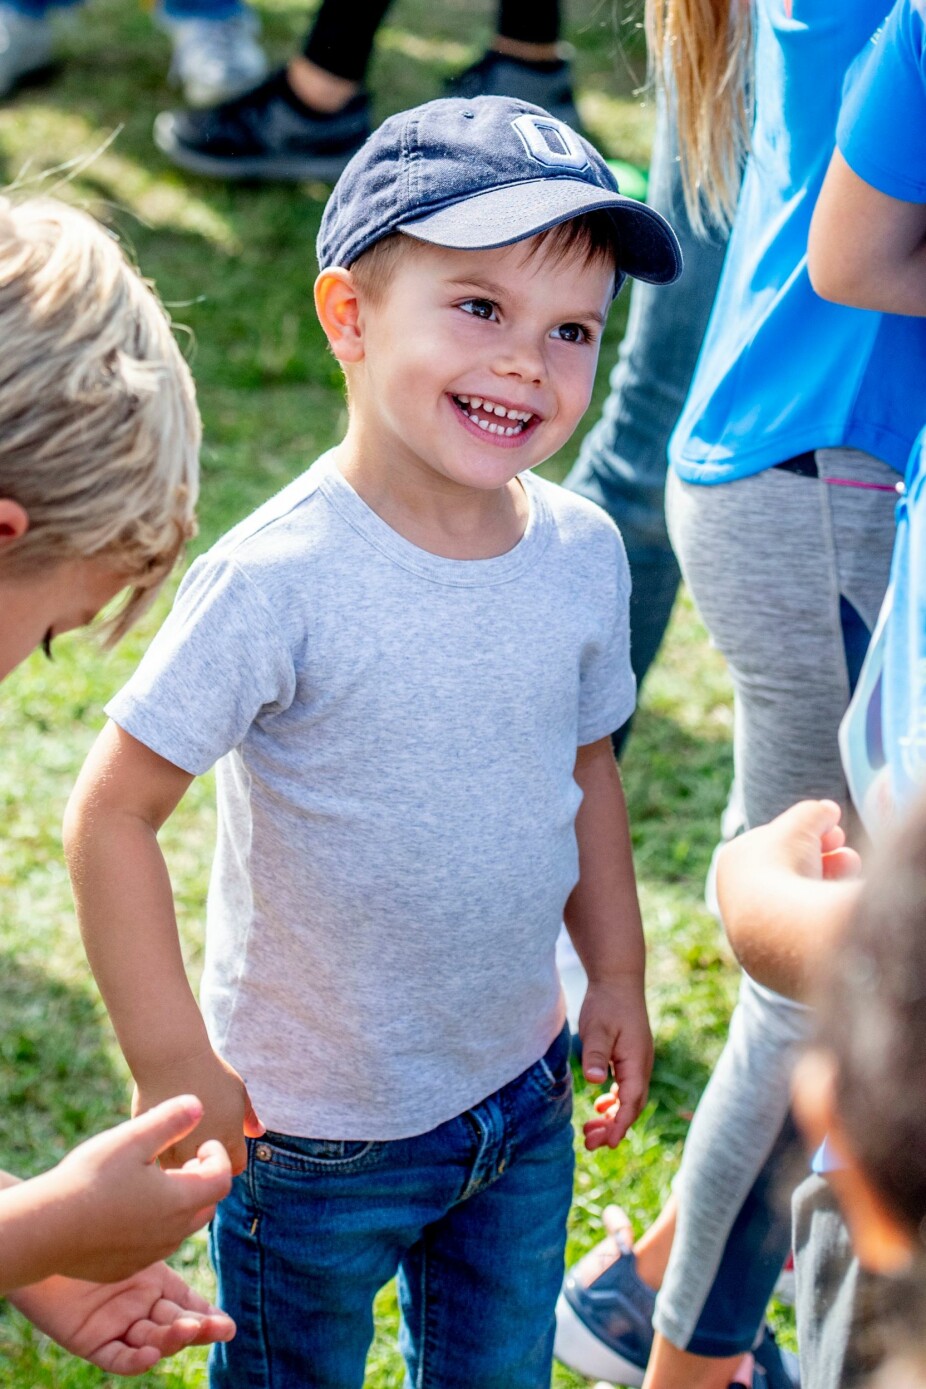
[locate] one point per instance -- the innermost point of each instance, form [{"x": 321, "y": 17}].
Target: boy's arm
[
  {"x": 786, "y": 890},
  {"x": 865, "y": 248},
  {"x": 603, "y": 919},
  {"x": 107, "y": 1209},
  {"x": 123, "y": 796}
]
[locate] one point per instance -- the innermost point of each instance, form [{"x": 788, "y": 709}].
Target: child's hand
[
  {"x": 228, "y": 1114},
  {"x": 784, "y": 891},
  {"x": 805, "y": 842},
  {"x": 615, "y": 1032},
  {"x": 126, "y": 1327},
  {"x": 114, "y": 1210}
]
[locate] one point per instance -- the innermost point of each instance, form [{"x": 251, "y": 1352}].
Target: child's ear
[
  {"x": 878, "y": 1237},
  {"x": 14, "y": 521},
  {"x": 338, "y": 309}
]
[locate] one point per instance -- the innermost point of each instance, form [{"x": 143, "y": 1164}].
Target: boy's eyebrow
[
  {"x": 477, "y": 282},
  {"x": 497, "y": 291}
]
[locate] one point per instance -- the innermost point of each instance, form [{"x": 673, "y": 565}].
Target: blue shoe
[
  {"x": 604, "y": 1316},
  {"x": 604, "y": 1323},
  {"x": 775, "y": 1368}
]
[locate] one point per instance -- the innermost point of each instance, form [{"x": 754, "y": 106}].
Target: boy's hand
[
  {"x": 615, "y": 1033},
  {"x": 126, "y": 1327},
  {"x": 227, "y": 1112},
  {"x": 114, "y": 1210}
]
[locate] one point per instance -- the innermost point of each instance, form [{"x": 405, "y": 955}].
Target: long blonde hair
[
  {"x": 99, "y": 430},
  {"x": 701, "y": 50}
]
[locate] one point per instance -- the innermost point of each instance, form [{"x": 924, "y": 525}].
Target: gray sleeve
[
  {"x": 219, "y": 662},
  {"x": 608, "y": 687}
]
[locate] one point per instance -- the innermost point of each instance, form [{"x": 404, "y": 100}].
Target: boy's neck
[{"x": 434, "y": 513}]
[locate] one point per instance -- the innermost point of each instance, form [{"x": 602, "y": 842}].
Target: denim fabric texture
[
  {"x": 174, "y": 9},
  {"x": 471, "y": 1216}
]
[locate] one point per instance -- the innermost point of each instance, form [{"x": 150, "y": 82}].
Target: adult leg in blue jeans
[
  {"x": 622, "y": 463},
  {"x": 216, "y": 53}
]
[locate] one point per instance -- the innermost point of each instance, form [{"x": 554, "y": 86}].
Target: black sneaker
[
  {"x": 266, "y": 133},
  {"x": 544, "y": 84}
]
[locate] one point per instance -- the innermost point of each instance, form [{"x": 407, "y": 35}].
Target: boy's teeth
[
  {"x": 476, "y": 402},
  {"x": 471, "y": 403}
]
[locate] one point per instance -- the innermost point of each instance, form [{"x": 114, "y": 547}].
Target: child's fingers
[
  {"x": 165, "y": 1125},
  {"x": 211, "y": 1158},
  {"x": 813, "y": 818},
  {"x": 605, "y": 1102},
  {"x": 842, "y": 863},
  {"x": 253, "y": 1128},
  {"x": 597, "y": 1045},
  {"x": 832, "y": 839}
]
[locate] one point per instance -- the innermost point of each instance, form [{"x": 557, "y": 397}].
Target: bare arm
[
  {"x": 125, "y": 907},
  {"x": 107, "y": 1209},
  {"x": 867, "y": 249},
  {"x": 124, "y": 1327},
  {"x": 786, "y": 891},
  {"x": 603, "y": 919}
]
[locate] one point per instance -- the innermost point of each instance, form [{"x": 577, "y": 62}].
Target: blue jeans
[
  {"x": 174, "y": 9},
  {"x": 622, "y": 463},
  {"x": 471, "y": 1216}
]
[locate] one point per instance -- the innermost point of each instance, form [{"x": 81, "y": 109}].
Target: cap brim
[{"x": 649, "y": 248}]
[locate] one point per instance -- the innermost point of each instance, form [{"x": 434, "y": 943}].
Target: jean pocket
[
  {"x": 286, "y": 1152},
  {"x": 552, "y": 1074}
]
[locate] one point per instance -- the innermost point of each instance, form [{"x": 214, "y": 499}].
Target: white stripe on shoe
[{"x": 582, "y": 1351}]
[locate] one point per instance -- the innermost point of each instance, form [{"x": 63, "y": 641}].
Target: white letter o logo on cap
[{"x": 550, "y": 142}]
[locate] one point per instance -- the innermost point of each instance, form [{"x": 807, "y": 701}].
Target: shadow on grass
[
  {"x": 677, "y": 783},
  {"x": 59, "y": 1080}
]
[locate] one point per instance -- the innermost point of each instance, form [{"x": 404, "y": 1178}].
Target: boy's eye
[
  {"x": 572, "y": 332},
  {"x": 479, "y": 308}
]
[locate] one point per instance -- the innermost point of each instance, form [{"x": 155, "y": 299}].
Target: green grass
[{"x": 237, "y": 264}]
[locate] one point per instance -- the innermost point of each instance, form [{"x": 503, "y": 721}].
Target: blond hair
[
  {"x": 99, "y": 430},
  {"x": 702, "y": 51}
]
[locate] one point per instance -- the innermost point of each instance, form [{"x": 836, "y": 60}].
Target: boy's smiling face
[{"x": 476, "y": 365}]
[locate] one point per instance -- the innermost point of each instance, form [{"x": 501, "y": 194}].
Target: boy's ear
[
  {"x": 338, "y": 309},
  {"x": 878, "y": 1237},
  {"x": 14, "y": 521}
]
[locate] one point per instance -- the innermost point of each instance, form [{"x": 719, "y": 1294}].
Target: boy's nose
[{"x": 522, "y": 361}]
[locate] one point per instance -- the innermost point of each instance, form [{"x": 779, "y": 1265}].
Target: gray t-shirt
[{"x": 395, "y": 735}]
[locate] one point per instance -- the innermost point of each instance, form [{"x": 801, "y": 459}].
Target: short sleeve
[
  {"x": 219, "y": 663},
  {"x": 882, "y": 121},
  {"x": 607, "y": 685}
]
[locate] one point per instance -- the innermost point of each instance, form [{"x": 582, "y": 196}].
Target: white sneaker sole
[{"x": 576, "y": 1347}]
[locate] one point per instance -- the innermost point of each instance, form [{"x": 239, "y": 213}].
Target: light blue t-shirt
[
  {"x": 781, "y": 371},
  {"x": 882, "y": 136},
  {"x": 904, "y": 691},
  {"x": 882, "y": 124}
]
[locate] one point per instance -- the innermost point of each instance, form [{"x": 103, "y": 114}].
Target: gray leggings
[{"x": 775, "y": 563}]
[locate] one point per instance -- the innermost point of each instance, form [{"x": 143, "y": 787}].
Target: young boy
[{"x": 410, "y": 663}]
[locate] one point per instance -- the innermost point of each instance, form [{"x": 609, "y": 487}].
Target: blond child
[{"x": 99, "y": 441}]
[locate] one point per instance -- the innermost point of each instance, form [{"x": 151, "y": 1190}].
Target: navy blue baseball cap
[{"x": 481, "y": 173}]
